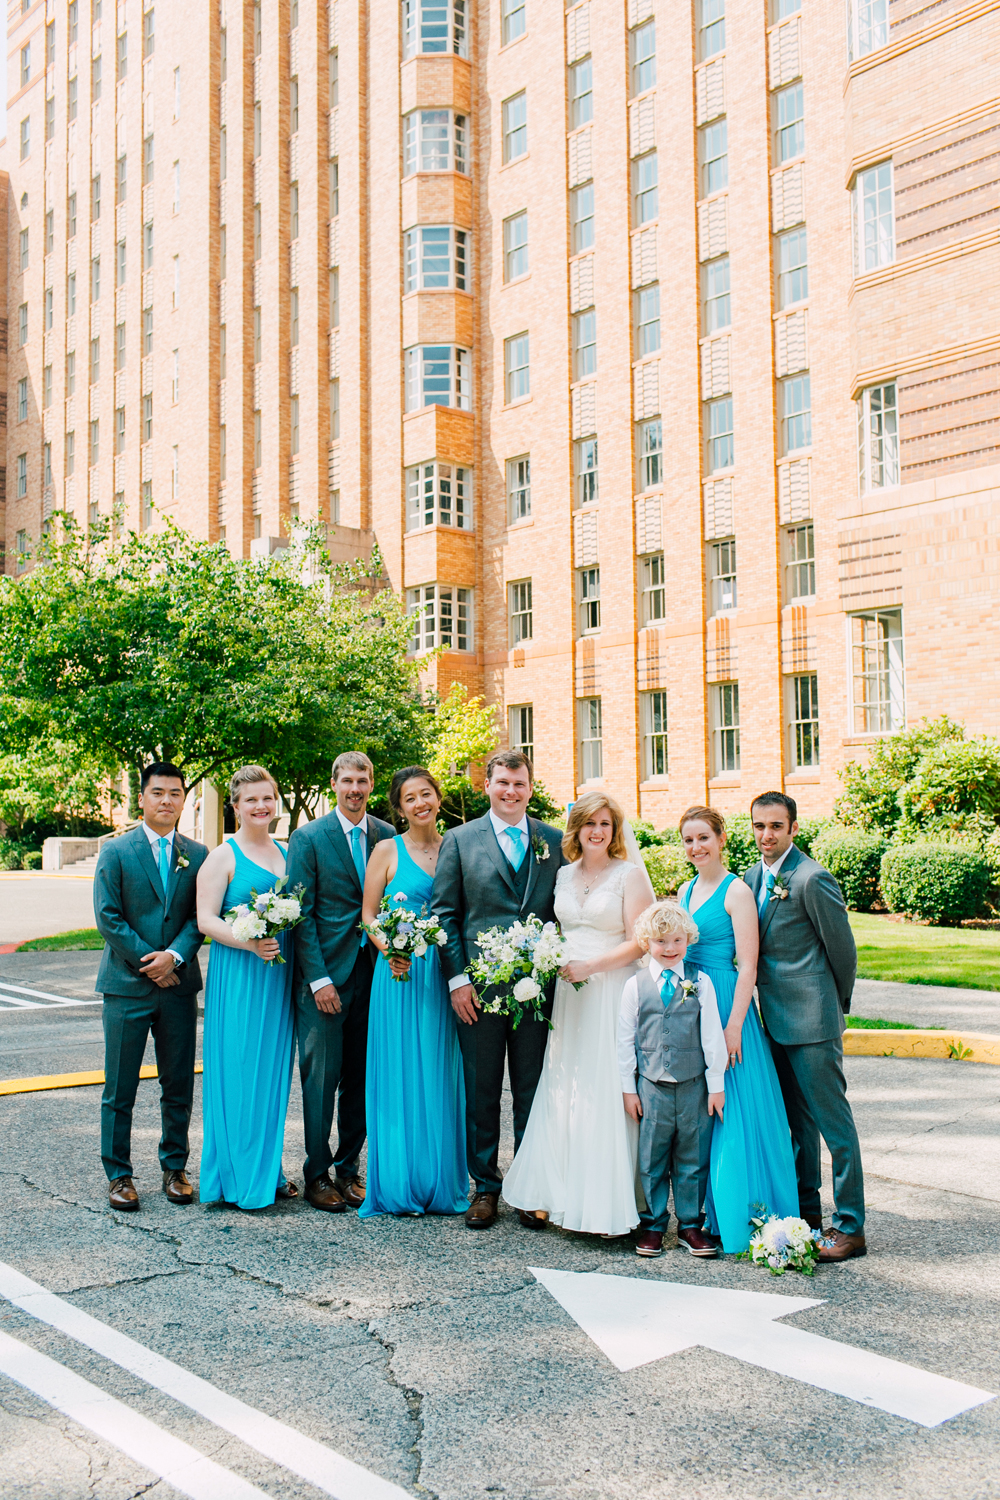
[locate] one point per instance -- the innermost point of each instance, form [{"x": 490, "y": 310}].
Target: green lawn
[
  {"x": 966, "y": 957},
  {"x": 65, "y": 942}
]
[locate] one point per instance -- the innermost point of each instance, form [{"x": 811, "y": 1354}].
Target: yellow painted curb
[
  {"x": 965, "y": 1046},
  {"x": 64, "y": 1081}
]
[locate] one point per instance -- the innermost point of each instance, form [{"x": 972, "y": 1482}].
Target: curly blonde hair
[
  {"x": 585, "y": 807},
  {"x": 660, "y": 920}
]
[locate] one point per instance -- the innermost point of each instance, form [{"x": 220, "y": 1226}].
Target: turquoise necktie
[
  {"x": 668, "y": 985},
  {"x": 517, "y": 848},
  {"x": 358, "y": 855},
  {"x": 164, "y": 865},
  {"x": 768, "y": 888}
]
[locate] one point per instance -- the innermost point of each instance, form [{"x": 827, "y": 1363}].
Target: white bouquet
[
  {"x": 266, "y": 915},
  {"x": 783, "y": 1244},
  {"x": 517, "y": 963},
  {"x": 409, "y": 934}
]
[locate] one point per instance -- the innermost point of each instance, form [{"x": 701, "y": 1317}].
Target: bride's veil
[{"x": 635, "y": 857}]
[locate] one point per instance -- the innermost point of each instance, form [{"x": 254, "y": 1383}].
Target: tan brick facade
[{"x": 818, "y": 238}]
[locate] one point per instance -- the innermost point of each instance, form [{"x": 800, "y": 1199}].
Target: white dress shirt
[
  {"x": 348, "y": 827},
  {"x": 154, "y": 840},
  {"x": 762, "y": 896},
  {"x": 713, "y": 1040},
  {"x": 500, "y": 828}
]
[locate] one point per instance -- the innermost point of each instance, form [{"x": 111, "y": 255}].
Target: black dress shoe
[{"x": 531, "y": 1220}]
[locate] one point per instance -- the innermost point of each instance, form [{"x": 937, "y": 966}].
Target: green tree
[
  {"x": 460, "y": 731},
  {"x": 52, "y": 784},
  {"x": 871, "y": 796}
]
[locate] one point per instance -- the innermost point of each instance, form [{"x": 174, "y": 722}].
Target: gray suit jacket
[
  {"x": 474, "y": 887},
  {"x": 319, "y": 857},
  {"x": 134, "y": 919},
  {"x": 808, "y": 959}
]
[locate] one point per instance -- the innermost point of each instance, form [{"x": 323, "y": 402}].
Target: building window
[
  {"x": 146, "y": 505},
  {"x": 149, "y": 158},
  {"x": 519, "y": 611},
  {"x": 333, "y": 78},
  {"x": 23, "y": 248},
  {"x": 581, "y": 93},
  {"x": 434, "y": 26},
  {"x": 50, "y": 231},
  {"x": 71, "y": 216},
  {"x": 26, "y": 138},
  {"x": 120, "y": 429},
  {"x": 22, "y": 324},
  {"x": 725, "y": 728},
  {"x": 22, "y": 475},
  {"x": 645, "y": 188},
  {"x": 120, "y": 262},
  {"x": 71, "y": 373},
  {"x": 878, "y": 438},
  {"x": 647, "y": 320},
  {"x": 581, "y": 202},
  {"x": 791, "y": 125},
  {"x": 121, "y": 178},
  {"x": 722, "y": 575},
  {"x": 584, "y": 344},
  {"x": 438, "y": 495},
  {"x": 47, "y": 465},
  {"x": 122, "y": 55},
  {"x": 586, "y": 470},
  {"x": 294, "y": 424},
  {"x": 147, "y": 330},
  {"x": 590, "y": 599},
  {"x": 70, "y": 465},
  {"x": 147, "y": 419},
  {"x": 521, "y": 728},
  {"x": 47, "y": 387},
  {"x": 23, "y": 551},
  {"x": 643, "y": 47},
  {"x": 293, "y": 315},
  {"x": 711, "y": 27},
  {"x": 653, "y": 584},
  {"x": 720, "y": 434},
  {"x": 293, "y": 212},
  {"x": 515, "y": 126},
  {"x": 72, "y": 99},
  {"x": 877, "y": 670},
  {"x": 796, "y": 413},
  {"x": 95, "y": 361},
  {"x": 591, "y": 738},
  {"x": 650, "y": 454},
  {"x": 49, "y": 308},
  {"x": 149, "y": 33},
  {"x": 50, "y": 37},
  {"x": 258, "y": 128},
  {"x": 805, "y": 721},
  {"x": 177, "y": 93},
  {"x": 95, "y": 196},
  {"x": 175, "y": 465},
  {"x": 50, "y": 117},
  {"x": 441, "y": 616},
  {"x": 176, "y": 206},
  {"x": 175, "y": 371},
  {"x": 867, "y": 27},
  {"x": 25, "y": 64},
  {"x": 95, "y": 78},
  {"x": 517, "y": 367},
  {"x": 22, "y": 399},
  {"x": 654, "y": 736},
  {"x": 513, "y": 20},
  {"x": 334, "y": 193},
  {"x": 515, "y": 247},
  {"x": 800, "y": 566},
  {"x": 176, "y": 295},
  {"x": 95, "y": 443},
  {"x": 434, "y": 140},
  {"x": 435, "y": 256},
  {"x": 874, "y": 229},
  {"x": 714, "y": 140},
  {"x": 334, "y": 410},
  {"x": 257, "y": 443},
  {"x": 793, "y": 268},
  {"x": 95, "y": 278},
  {"x": 438, "y": 375},
  {"x": 256, "y": 336},
  {"x": 293, "y": 106},
  {"x": 519, "y": 487},
  {"x": 715, "y": 279},
  {"x": 71, "y": 295}
]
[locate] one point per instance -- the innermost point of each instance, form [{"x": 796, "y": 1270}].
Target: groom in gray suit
[
  {"x": 333, "y": 981},
  {"x": 144, "y": 906},
  {"x": 805, "y": 977},
  {"x": 490, "y": 873}
]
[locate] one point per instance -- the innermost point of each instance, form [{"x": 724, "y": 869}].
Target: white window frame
[
  {"x": 587, "y": 471},
  {"x": 647, "y": 319},
  {"x": 873, "y": 212},
  {"x": 588, "y": 593},
  {"x": 655, "y": 735},
  {"x": 642, "y": 56},
  {"x": 793, "y": 279},
  {"x": 723, "y": 575},
  {"x": 645, "y": 189},
  {"x": 803, "y": 721},
  {"x": 590, "y": 733},
  {"x": 867, "y": 27},
  {"x": 517, "y": 367},
  {"x": 649, "y": 454},
  {"x": 515, "y": 126},
  {"x": 459, "y": 376},
  {"x": 581, "y": 92},
  {"x": 435, "y": 27},
  {"x": 795, "y": 396},
  {"x": 515, "y": 247},
  {"x": 439, "y": 494},
  {"x": 652, "y": 589},
  {"x": 725, "y": 728},
  {"x": 581, "y": 201},
  {"x": 22, "y": 399},
  {"x": 520, "y": 614},
  {"x": 720, "y": 436},
  {"x": 442, "y": 616},
  {"x": 584, "y": 343},
  {"x": 711, "y": 28},
  {"x": 444, "y": 247},
  {"x": 521, "y": 728},
  {"x": 713, "y": 152},
  {"x": 789, "y": 123},
  {"x": 519, "y": 488},
  {"x": 422, "y": 149},
  {"x": 513, "y": 20},
  {"x": 878, "y": 437},
  {"x": 718, "y": 310},
  {"x": 800, "y": 562},
  {"x": 875, "y": 657}
]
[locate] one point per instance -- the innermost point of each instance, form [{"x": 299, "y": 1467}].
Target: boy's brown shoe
[
  {"x": 649, "y": 1242},
  {"x": 695, "y": 1242}
]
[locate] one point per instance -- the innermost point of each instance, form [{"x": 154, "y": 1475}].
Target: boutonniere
[
  {"x": 541, "y": 848},
  {"x": 780, "y": 891},
  {"x": 688, "y": 987}
]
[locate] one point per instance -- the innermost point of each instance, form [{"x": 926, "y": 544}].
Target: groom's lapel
[
  {"x": 532, "y": 866},
  {"x": 341, "y": 847},
  {"x": 791, "y": 860},
  {"x": 144, "y": 854},
  {"x": 488, "y": 839}
]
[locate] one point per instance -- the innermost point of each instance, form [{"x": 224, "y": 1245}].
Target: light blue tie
[
  {"x": 358, "y": 855},
  {"x": 516, "y": 854},
  {"x": 668, "y": 986},
  {"x": 164, "y": 865},
  {"x": 768, "y": 888}
]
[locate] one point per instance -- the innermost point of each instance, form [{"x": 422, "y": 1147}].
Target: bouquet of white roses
[
  {"x": 267, "y": 915},
  {"x": 409, "y": 933},
  {"x": 518, "y": 961},
  {"x": 782, "y": 1244}
]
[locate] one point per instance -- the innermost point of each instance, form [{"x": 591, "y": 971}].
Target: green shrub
[
  {"x": 991, "y": 854},
  {"x": 667, "y": 868},
  {"x": 32, "y": 860},
  {"x": 940, "y": 883},
  {"x": 646, "y": 835},
  {"x": 11, "y": 855},
  {"x": 854, "y": 859},
  {"x": 741, "y": 851},
  {"x": 810, "y": 829}
]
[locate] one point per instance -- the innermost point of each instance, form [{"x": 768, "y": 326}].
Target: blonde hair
[
  {"x": 249, "y": 776},
  {"x": 584, "y": 808},
  {"x": 660, "y": 920}
]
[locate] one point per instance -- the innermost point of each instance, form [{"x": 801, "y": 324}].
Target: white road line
[
  {"x": 24, "y": 1004},
  {"x": 18, "y": 989},
  {"x": 328, "y": 1470},
  {"x": 177, "y": 1462}
]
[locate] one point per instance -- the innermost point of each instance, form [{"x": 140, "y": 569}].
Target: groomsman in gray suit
[
  {"x": 490, "y": 873},
  {"x": 333, "y": 981},
  {"x": 805, "y": 978},
  {"x": 144, "y": 906}
]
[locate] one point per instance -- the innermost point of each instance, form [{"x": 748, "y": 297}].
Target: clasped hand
[
  {"x": 577, "y": 971},
  {"x": 265, "y": 948},
  {"x": 160, "y": 968}
]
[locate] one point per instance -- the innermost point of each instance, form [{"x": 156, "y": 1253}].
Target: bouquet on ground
[
  {"x": 265, "y": 916},
  {"x": 408, "y": 933},
  {"x": 782, "y": 1244},
  {"x": 517, "y": 963}
]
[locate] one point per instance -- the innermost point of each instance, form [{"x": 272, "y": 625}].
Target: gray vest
[{"x": 668, "y": 1037}]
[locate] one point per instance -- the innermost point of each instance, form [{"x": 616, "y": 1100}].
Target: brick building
[{"x": 658, "y": 346}]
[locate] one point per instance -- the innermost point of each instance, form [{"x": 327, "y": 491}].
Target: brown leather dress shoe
[
  {"x": 649, "y": 1242},
  {"x": 482, "y": 1211},
  {"x": 321, "y": 1193},
  {"x": 533, "y": 1218},
  {"x": 838, "y": 1246},
  {"x": 352, "y": 1190},
  {"x": 177, "y": 1187},
  {"x": 122, "y": 1195},
  {"x": 696, "y": 1242}
]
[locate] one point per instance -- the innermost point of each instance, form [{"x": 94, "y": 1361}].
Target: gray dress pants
[
  {"x": 675, "y": 1143},
  {"x": 814, "y": 1089}
]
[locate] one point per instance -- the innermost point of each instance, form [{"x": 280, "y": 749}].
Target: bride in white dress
[{"x": 576, "y": 1163}]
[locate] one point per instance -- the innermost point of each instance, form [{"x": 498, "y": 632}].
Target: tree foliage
[
  {"x": 927, "y": 780},
  {"x": 52, "y": 784}
]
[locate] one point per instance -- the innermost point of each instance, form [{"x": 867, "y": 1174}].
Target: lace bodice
[{"x": 599, "y": 923}]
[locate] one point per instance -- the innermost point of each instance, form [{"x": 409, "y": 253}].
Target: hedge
[
  {"x": 32, "y": 860},
  {"x": 667, "y": 868},
  {"x": 854, "y": 857},
  {"x": 940, "y": 883}
]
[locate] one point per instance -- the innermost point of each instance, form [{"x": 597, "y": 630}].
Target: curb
[
  {"x": 64, "y": 1081},
  {"x": 959, "y": 1046}
]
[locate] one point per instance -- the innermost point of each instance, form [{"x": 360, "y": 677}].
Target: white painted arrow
[{"x": 638, "y": 1320}]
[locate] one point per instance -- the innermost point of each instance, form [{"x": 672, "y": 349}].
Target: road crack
[{"x": 414, "y": 1405}]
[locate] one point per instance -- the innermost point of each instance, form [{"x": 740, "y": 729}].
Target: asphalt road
[
  {"x": 36, "y": 905},
  {"x": 431, "y": 1356}
]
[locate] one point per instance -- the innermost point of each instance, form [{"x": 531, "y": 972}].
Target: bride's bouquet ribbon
[
  {"x": 408, "y": 933},
  {"x": 516, "y": 963},
  {"x": 266, "y": 915}
]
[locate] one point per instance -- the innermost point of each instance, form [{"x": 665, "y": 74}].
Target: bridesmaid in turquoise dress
[
  {"x": 248, "y": 1039},
  {"x": 415, "y": 1093},
  {"x": 752, "y": 1159}
]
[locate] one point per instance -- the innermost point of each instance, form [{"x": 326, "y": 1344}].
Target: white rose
[
  {"x": 399, "y": 942},
  {"x": 420, "y": 949},
  {"x": 525, "y": 990},
  {"x": 441, "y": 938},
  {"x": 249, "y": 926}
]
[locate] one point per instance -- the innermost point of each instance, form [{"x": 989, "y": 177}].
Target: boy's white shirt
[{"x": 713, "y": 1041}]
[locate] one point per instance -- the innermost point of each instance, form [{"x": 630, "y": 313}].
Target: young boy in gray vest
[{"x": 669, "y": 1033}]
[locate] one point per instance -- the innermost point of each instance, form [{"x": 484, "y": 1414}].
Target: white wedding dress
[{"x": 577, "y": 1158}]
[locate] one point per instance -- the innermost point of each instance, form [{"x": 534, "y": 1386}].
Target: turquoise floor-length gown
[
  {"x": 247, "y": 1059},
  {"x": 415, "y": 1091},
  {"x": 752, "y": 1160}
]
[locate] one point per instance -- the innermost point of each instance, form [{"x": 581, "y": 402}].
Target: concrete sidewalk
[
  {"x": 928, "y": 1005},
  {"x": 34, "y": 905}
]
